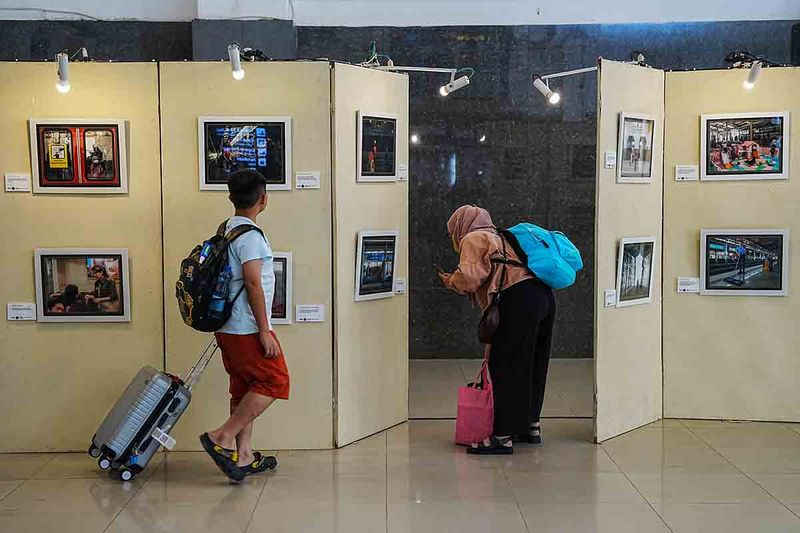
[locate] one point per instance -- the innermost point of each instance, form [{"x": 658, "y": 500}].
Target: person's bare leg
[
  {"x": 244, "y": 445},
  {"x": 248, "y": 409}
]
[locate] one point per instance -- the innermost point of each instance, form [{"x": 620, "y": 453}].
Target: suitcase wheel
[
  {"x": 104, "y": 463},
  {"x": 123, "y": 474},
  {"x": 94, "y": 451}
]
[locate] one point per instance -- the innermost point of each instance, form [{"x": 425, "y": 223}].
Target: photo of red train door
[{"x": 78, "y": 156}]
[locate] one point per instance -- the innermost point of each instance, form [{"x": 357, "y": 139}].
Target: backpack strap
[
  {"x": 221, "y": 228},
  {"x": 240, "y": 230}
]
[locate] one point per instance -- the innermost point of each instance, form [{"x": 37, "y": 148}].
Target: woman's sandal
[
  {"x": 260, "y": 463},
  {"x": 224, "y": 458},
  {"x": 534, "y": 436},
  {"x": 501, "y": 446}
]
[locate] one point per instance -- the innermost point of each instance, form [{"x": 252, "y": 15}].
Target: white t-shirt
[{"x": 248, "y": 247}]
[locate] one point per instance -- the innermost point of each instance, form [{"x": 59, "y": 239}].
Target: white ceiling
[{"x": 413, "y": 12}]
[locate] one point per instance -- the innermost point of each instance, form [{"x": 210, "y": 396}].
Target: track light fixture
[
  {"x": 552, "y": 97},
  {"x": 746, "y": 60},
  {"x": 236, "y": 61},
  {"x": 752, "y": 76},
  {"x": 452, "y": 86},
  {"x": 63, "y": 86}
]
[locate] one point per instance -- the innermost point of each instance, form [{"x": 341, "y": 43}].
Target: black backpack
[{"x": 198, "y": 278}]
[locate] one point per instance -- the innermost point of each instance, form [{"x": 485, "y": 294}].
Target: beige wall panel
[
  {"x": 297, "y": 221},
  {"x": 728, "y": 357},
  {"x": 627, "y": 339},
  {"x": 372, "y": 336},
  {"x": 59, "y": 380}
]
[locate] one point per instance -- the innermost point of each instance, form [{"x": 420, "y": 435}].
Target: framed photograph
[
  {"x": 744, "y": 262},
  {"x": 82, "y": 285},
  {"x": 744, "y": 146},
  {"x": 636, "y": 266},
  {"x": 78, "y": 156},
  {"x": 375, "y": 262},
  {"x": 227, "y": 144},
  {"x": 377, "y": 147},
  {"x": 282, "y": 300},
  {"x": 635, "y": 148}
]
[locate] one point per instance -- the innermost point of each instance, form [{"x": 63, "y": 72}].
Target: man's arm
[{"x": 251, "y": 271}]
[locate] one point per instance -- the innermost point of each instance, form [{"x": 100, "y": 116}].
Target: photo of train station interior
[{"x": 399, "y": 266}]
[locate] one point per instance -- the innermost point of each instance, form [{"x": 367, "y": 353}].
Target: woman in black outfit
[{"x": 520, "y": 349}]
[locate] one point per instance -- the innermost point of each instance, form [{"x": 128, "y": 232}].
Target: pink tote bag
[{"x": 475, "y": 416}]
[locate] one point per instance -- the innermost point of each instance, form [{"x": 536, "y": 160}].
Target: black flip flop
[
  {"x": 261, "y": 463},
  {"x": 224, "y": 458}
]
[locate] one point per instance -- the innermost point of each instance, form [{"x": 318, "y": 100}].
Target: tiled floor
[
  {"x": 434, "y": 383},
  {"x": 680, "y": 476}
]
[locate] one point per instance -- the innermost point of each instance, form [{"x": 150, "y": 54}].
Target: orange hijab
[{"x": 466, "y": 219}]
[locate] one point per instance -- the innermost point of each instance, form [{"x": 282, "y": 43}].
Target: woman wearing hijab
[{"x": 520, "y": 349}]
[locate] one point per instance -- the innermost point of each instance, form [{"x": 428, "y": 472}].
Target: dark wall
[
  {"x": 536, "y": 162},
  {"x": 118, "y": 41}
]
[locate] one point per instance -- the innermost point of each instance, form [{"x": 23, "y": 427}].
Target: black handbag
[{"x": 490, "y": 320}]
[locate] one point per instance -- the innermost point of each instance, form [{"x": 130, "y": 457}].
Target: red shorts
[{"x": 250, "y": 371}]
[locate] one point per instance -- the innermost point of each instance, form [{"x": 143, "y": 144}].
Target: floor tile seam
[
  {"x": 639, "y": 492},
  {"x": 15, "y": 489},
  {"x": 745, "y": 474},
  {"x": 516, "y": 501},
  {"x": 128, "y": 502},
  {"x": 258, "y": 500}
]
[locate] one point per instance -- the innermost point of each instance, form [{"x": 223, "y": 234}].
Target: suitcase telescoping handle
[{"x": 199, "y": 367}]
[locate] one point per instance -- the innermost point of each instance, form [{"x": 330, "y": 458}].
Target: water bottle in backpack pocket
[{"x": 219, "y": 298}]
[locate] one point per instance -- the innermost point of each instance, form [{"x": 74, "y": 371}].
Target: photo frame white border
[
  {"x": 122, "y": 140},
  {"x": 360, "y": 114},
  {"x": 649, "y": 297},
  {"x": 39, "y": 253},
  {"x": 620, "y": 146},
  {"x": 705, "y": 291},
  {"x": 201, "y": 155},
  {"x": 289, "y": 307},
  {"x": 359, "y": 256},
  {"x": 787, "y": 131}
]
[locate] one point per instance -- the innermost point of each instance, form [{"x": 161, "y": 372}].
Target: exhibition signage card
[
  {"x": 689, "y": 285},
  {"x": 610, "y": 297},
  {"x": 402, "y": 172},
  {"x": 18, "y": 183},
  {"x": 610, "y": 159},
  {"x": 21, "y": 311},
  {"x": 310, "y": 313},
  {"x": 687, "y": 173},
  {"x": 400, "y": 286},
  {"x": 307, "y": 180}
]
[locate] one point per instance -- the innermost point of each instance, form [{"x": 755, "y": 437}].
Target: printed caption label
[
  {"x": 402, "y": 172},
  {"x": 687, "y": 172},
  {"x": 610, "y": 297},
  {"x": 610, "y": 160},
  {"x": 400, "y": 286},
  {"x": 307, "y": 180},
  {"x": 309, "y": 313},
  {"x": 18, "y": 183},
  {"x": 21, "y": 311},
  {"x": 688, "y": 285}
]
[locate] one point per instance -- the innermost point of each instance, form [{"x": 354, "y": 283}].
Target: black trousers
[{"x": 520, "y": 355}]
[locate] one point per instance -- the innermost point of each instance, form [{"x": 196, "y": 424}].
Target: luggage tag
[
  {"x": 163, "y": 438},
  {"x": 134, "y": 459}
]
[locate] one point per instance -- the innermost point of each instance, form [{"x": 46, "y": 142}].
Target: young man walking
[{"x": 251, "y": 353}]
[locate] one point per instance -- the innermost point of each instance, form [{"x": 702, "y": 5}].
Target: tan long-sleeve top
[{"x": 477, "y": 276}]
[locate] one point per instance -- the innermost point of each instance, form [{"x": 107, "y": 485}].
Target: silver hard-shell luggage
[{"x": 140, "y": 421}]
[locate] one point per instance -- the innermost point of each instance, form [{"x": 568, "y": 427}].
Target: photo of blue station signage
[{"x": 232, "y": 146}]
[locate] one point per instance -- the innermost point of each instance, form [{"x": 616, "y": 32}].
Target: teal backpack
[{"x": 550, "y": 255}]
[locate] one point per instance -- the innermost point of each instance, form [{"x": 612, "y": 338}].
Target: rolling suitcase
[{"x": 140, "y": 421}]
